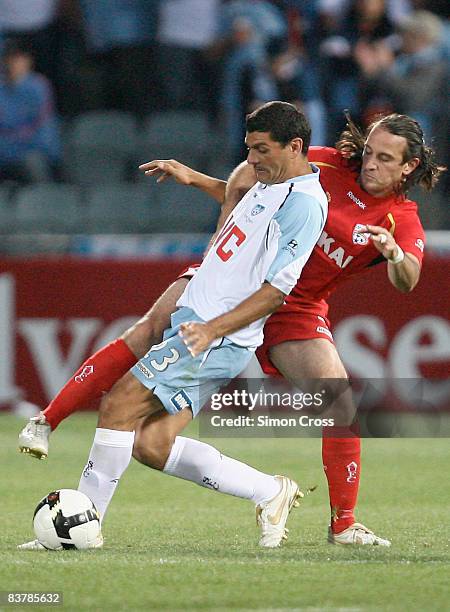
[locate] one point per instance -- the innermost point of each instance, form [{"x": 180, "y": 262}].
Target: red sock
[
  {"x": 341, "y": 462},
  {"x": 94, "y": 378}
]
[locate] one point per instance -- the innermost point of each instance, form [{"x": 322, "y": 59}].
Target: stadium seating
[
  {"x": 100, "y": 148},
  {"x": 124, "y": 208},
  {"x": 184, "y": 209},
  {"x": 7, "y": 212},
  {"x": 218, "y": 168},
  {"x": 182, "y": 135},
  {"x": 163, "y": 208},
  {"x": 48, "y": 208}
]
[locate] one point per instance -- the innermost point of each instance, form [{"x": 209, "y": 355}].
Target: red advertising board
[{"x": 55, "y": 312}]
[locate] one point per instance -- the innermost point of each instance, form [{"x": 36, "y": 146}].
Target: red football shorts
[
  {"x": 285, "y": 326},
  {"x": 290, "y": 322}
]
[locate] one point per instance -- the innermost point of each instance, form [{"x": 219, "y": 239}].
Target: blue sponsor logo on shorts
[{"x": 181, "y": 400}]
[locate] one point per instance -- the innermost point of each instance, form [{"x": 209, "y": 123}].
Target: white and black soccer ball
[{"x": 66, "y": 519}]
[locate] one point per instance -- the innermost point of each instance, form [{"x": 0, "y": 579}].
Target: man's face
[
  {"x": 383, "y": 168},
  {"x": 17, "y": 65},
  {"x": 270, "y": 159},
  {"x": 373, "y": 9}
]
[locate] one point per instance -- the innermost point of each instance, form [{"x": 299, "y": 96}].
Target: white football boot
[
  {"x": 356, "y": 535},
  {"x": 36, "y": 545},
  {"x": 271, "y": 516},
  {"x": 33, "y": 545},
  {"x": 33, "y": 439}
]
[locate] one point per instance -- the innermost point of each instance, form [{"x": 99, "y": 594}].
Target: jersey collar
[{"x": 306, "y": 177}]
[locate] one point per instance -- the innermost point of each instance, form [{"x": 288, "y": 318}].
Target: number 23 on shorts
[{"x": 161, "y": 362}]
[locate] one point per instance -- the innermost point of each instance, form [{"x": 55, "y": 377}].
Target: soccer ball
[{"x": 66, "y": 519}]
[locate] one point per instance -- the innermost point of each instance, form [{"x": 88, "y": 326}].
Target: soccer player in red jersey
[{"x": 370, "y": 221}]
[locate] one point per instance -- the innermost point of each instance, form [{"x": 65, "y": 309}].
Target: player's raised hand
[
  {"x": 166, "y": 168},
  {"x": 196, "y": 336},
  {"x": 383, "y": 241}
]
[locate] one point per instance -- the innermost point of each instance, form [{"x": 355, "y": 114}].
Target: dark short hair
[
  {"x": 352, "y": 140},
  {"x": 283, "y": 121},
  {"x": 14, "y": 47}
]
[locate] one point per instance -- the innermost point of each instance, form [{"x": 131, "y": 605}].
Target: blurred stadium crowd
[{"x": 91, "y": 88}]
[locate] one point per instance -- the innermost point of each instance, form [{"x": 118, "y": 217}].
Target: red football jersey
[{"x": 343, "y": 250}]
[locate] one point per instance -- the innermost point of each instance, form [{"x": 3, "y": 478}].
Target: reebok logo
[
  {"x": 145, "y": 371},
  {"x": 356, "y": 200}
]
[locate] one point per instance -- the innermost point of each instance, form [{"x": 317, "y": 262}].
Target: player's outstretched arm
[
  {"x": 403, "y": 268},
  {"x": 198, "y": 336},
  {"x": 404, "y": 275},
  {"x": 171, "y": 168}
]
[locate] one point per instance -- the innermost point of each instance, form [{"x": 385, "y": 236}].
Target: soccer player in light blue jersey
[{"x": 254, "y": 262}]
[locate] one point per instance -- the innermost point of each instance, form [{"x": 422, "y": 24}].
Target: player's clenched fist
[
  {"x": 166, "y": 168},
  {"x": 383, "y": 241},
  {"x": 196, "y": 336}
]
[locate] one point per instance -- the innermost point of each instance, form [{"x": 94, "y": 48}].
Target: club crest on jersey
[
  {"x": 360, "y": 237},
  {"x": 257, "y": 209},
  {"x": 419, "y": 244}
]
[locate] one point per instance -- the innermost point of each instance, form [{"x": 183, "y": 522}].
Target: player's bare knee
[
  {"x": 152, "y": 452},
  {"x": 123, "y": 405},
  {"x": 112, "y": 414},
  {"x": 155, "y": 458}
]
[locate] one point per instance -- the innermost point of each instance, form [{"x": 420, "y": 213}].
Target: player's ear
[
  {"x": 410, "y": 166},
  {"x": 297, "y": 145}
]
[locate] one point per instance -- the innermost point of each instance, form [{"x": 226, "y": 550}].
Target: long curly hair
[{"x": 352, "y": 140}]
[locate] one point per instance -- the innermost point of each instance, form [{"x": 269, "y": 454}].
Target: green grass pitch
[{"x": 171, "y": 545}]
